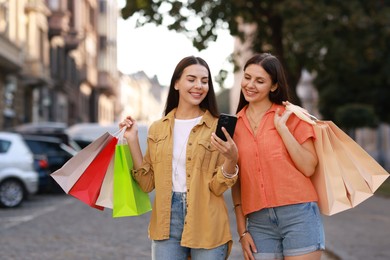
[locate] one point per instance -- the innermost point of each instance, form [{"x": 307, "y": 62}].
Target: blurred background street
[
  {"x": 59, "y": 227},
  {"x": 71, "y": 69}
]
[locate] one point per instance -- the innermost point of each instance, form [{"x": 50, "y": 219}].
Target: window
[
  {"x": 54, "y": 4},
  {"x": 4, "y": 146},
  {"x": 4, "y": 16},
  {"x": 102, "y": 6}
]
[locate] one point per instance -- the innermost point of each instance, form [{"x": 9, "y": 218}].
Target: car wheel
[{"x": 11, "y": 193}]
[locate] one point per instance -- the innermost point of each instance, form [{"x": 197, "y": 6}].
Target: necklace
[{"x": 253, "y": 123}]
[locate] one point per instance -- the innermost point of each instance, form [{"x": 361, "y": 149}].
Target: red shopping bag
[
  {"x": 87, "y": 187},
  {"x": 71, "y": 171}
]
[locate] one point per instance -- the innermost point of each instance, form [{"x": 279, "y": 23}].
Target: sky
[{"x": 156, "y": 51}]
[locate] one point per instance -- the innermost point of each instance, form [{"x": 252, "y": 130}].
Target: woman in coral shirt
[{"x": 274, "y": 200}]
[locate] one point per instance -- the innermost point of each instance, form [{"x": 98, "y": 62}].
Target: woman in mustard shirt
[
  {"x": 189, "y": 168},
  {"x": 274, "y": 200}
]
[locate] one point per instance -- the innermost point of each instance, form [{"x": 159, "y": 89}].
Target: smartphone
[{"x": 227, "y": 121}]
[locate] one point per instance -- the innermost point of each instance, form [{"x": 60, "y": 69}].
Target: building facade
[{"x": 58, "y": 61}]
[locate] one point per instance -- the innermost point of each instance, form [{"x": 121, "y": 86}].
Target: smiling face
[
  {"x": 193, "y": 85},
  {"x": 256, "y": 84}
]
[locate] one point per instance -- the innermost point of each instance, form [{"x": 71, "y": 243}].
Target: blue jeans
[
  {"x": 170, "y": 249},
  {"x": 290, "y": 230}
]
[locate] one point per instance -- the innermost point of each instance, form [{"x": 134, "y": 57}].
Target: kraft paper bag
[
  {"x": 129, "y": 199},
  {"x": 87, "y": 187},
  {"x": 327, "y": 179},
  {"x": 71, "y": 171},
  {"x": 372, "y": 172},
  {"x": 346, "y": 174}
]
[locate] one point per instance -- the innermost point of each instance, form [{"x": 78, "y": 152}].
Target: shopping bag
[
  {"x": 87, "y": 187},
  {"x": 71, "y": 171},
  {"x": 128, "y": 198},
  {"x": 106, "y": 191},
  {"x": 346, "y": 175}
]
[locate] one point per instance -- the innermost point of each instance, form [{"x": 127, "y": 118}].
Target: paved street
[{"x": 59, "y": 227}]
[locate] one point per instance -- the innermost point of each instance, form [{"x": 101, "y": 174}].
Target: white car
[
  {"x": 18, "y": 178},
  {"x": 85, "y": 133}
]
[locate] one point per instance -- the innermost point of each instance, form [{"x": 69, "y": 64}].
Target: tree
[{"x": 346, "y": 43}]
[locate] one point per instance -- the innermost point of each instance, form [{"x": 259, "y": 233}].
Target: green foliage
[
  {"x": 352, "y": 116},
  {"x": 346, "y": 43}
]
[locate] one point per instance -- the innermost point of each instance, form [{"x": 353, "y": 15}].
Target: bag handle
[
  {"x": 120, "y": 136},
  {"x": 301, "y": 113}
]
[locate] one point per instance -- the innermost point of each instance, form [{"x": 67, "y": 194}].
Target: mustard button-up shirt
[{"x": 207, "y": 222}]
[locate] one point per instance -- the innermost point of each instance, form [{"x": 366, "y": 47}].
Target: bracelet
[
  {"x": 243, "y": 235},
  {"x": 230, "y": 176}
]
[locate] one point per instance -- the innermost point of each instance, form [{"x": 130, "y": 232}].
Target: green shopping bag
[{"x": 128, "y": 198}]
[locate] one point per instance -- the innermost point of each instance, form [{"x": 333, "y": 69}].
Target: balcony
[
  {"x": 58, "y": 23},
  {"x": 106, "y": 83},
  {"x": 34, "y": 71},
  {"x": 10, "y": 55}
]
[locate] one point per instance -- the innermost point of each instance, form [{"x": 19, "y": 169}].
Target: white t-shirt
[{"x": 181, "y": 132}]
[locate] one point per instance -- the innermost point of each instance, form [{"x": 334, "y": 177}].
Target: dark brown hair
[
  {"x": 209, "y": 102},
  {"x": 275, "y": 70}
]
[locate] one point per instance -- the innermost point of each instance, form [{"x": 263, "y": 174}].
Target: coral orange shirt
[{"x": 268, "y": 175}]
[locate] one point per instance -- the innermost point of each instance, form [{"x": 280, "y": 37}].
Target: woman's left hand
[
  {"x": 228, "y": 149},
  {"x": 281, "y": 119}
]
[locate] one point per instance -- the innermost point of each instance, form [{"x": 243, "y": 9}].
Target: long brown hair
[
  {"x": 275, "y": 70},
  {"x": 209, "y": 102}
]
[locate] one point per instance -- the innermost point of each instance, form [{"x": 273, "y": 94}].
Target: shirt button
[
  {"x": 188, "y": 175},
  {"x": 190, "y": 143},
  {"x": 189, "y": 158},
  {"x": 188, "y": 190}
]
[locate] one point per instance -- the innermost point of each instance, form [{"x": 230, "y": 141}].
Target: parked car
[
  {"x": 18, "y": 178},
  {"x": 85, "y": 133},
  {"x": 50, "y": 129},
  {"x": 41, "y": 165},
  {"x": 56, "y": 152}
]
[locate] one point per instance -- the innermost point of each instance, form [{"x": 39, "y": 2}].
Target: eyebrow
[
  {"x": 263, "y": 78},
  {"x": 193, "y": 76}
]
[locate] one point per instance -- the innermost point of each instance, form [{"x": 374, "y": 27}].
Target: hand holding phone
[{"x": 227, "y": 121}]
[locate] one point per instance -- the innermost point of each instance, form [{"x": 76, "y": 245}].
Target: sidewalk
[{"x": 361, "y": 233}]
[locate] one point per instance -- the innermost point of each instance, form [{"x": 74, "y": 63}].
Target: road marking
[{"x": 16, "y": 220}]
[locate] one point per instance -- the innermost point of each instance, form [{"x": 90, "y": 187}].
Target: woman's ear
[{"x": 274, "y": 87}]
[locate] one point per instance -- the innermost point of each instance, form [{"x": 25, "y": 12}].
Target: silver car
[{"x": 18, "y": 178}]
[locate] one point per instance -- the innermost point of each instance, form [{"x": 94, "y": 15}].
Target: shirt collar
[
  {"x": 242, "y": 112},
  {"x": 207, "y": 118}
]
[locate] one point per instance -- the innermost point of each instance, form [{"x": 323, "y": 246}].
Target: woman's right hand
[
  {"x": 132, "y": 127},
  {"x": 248, "y": 246}
]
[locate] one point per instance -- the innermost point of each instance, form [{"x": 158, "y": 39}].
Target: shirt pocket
[
  {"x": 207, "y": 154},
  {"x": 274, "y": 145},
  {"x": 156, "y": 147}
]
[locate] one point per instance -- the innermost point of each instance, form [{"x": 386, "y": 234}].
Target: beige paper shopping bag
[
  {"x": 71, "y": 171},
  {"x": 340, "y": 157},
  {"x": 327, "y": 179}
]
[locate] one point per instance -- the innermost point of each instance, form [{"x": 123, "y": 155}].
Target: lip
[
  {"x": 250, "y": 92},
  {"x": 196, "y": 94}
]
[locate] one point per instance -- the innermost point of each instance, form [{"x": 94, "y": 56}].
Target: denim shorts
[
  {"x": 169, "y": 249},
  {"x": 287, "y": 230}
]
